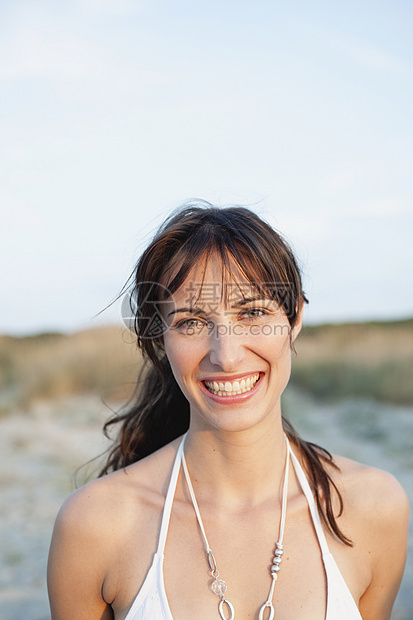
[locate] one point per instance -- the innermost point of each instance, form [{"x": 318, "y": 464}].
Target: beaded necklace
[{"x": 219, "y": 587}]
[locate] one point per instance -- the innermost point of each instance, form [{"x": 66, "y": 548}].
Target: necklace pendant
[
  {"x": 219, "y": 587},
  {"x": 230, "y": 607},
  {"x": 270, "y": 606}
]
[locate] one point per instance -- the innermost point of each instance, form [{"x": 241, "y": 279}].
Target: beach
[{"x": 42, "y": 447}]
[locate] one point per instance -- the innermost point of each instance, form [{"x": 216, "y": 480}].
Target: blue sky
[{"x": 114, "y": 112}]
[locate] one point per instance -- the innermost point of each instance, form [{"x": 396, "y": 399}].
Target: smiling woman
[
  {"x": 233, "y": 351},
  {"x": 203, "y": 457}
]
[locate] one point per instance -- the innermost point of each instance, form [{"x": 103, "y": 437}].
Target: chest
[{"x": 243, "y": 548}]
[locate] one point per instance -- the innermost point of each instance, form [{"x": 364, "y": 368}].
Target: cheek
[
  {"x": 174, "y": 358},
  {"x": 178, "y": 370},
  {"x": 275, "y": 348},
  {"x": 277, "y": 353},
  {"x": 284, "y": 364},
  {"x": 183, "y": 357}
]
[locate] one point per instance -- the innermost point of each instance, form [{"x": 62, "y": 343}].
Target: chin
[{"x": 234, "y": 421}]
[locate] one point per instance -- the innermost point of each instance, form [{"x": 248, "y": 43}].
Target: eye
[
  {"x": 254, "y": 313},
  {"x": 191, "y": 326}
]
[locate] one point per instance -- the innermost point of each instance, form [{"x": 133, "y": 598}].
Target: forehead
[{"x": 210, "y": 281}]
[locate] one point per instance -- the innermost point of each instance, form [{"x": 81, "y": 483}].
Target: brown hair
[{"x": 159, "y": 412}]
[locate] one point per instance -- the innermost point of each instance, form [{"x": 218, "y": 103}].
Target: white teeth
[{"x": 230, "y": 389}]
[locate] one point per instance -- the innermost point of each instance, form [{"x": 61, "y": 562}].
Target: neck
[{"x": 236, "y": 469}]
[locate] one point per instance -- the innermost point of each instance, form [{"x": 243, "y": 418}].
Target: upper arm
[
  {"x": 77, "y": 562},
  {"x": 386, "y": 539}
]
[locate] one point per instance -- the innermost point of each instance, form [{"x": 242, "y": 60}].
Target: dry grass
[
  {"x": 372, "y": 360},
  {"x": 102, "y": 361}
]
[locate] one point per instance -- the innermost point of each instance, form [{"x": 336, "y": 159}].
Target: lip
[
  {"x": 237, "y": 398},
  {"x": 231, "y": 378}
]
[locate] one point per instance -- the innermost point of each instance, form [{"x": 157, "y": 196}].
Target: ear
[{"x": 298, "y": 324}]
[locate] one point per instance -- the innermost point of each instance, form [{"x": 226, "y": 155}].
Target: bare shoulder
[
  {"x": 116, "y": 497},
  {"x": 369, "y": 490},
  {"x": 375, "y": 517},
  {"x": 93, "y": 533}
]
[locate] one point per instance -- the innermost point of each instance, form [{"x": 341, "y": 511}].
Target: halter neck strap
[
  {"x": 170, "y": 498},
  {"x": 283, "y": 503},
  {"x": 311, "y": 504}
]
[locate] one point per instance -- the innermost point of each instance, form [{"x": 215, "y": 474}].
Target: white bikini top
[{"x": 151, "y": 602}]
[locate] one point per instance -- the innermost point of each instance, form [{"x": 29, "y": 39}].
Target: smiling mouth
[{"x": 231, "y": 388}]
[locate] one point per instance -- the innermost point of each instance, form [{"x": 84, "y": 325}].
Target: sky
[{"x": 114, "y": 112}]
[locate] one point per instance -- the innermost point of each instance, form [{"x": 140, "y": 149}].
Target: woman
[{"x": 240, "y": 518}]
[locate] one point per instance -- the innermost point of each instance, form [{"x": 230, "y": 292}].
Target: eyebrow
[
  {"x": 248, "y": 300},
  {"x": 239, "y": 304},
  {"x": 189, "y": 310}
]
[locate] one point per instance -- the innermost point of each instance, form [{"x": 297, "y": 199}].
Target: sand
[{"x": 40, "y": 450}]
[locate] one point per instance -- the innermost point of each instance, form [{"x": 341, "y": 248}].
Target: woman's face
[{"x": 229, "y": 350}]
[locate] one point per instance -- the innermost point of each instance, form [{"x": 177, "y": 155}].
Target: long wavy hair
[{"x": 158, "y": 411}]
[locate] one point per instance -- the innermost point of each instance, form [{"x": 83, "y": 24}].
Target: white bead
[{"x": 219, "y": 587}]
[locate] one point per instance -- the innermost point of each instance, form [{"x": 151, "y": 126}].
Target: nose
[{"x": 226, "y": 347}]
